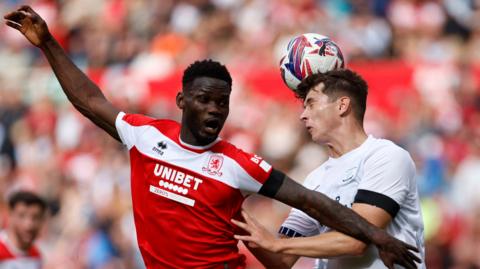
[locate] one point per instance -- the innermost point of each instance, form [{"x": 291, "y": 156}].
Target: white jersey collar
[
  {"x": 198, "y": 147},
  {"x": 352, "y": 152}
]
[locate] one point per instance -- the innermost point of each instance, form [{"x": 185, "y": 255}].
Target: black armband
[
  {"x": 379, "y": 200},
  {"x": 272, "y": 184}
]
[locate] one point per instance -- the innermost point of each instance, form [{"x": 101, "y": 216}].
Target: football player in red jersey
[
  {"x": 25, "y": 219},
  {"x": 186, "y": 182}
]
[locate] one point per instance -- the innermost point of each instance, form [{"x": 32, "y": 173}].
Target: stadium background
[{"x": 421, "y": 59}]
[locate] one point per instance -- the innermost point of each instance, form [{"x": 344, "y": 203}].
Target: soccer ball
[{"x": 308, "y": 54}]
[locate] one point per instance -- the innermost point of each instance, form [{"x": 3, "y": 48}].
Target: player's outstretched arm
[
  {"x": 340, "y": 218},
  {"x": 80, "y": 90},
  {"x": 326, "y": 245}
]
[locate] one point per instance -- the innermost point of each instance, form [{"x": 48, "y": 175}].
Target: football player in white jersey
[
  {"x": 204, "y": 101},
  {"x": 375, "y": 177}
]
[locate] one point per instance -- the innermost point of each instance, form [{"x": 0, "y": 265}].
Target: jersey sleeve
[
  {"x": 299, "y": 224},
  {"x": 386, "y": 179},
  {"x": 127, "y": 127},
  {"x": 255, "y": 172}
]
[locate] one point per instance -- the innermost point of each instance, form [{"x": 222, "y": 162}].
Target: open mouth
[{"x": 212, "y": 125}]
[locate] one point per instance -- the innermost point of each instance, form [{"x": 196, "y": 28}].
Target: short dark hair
[
  {"x": 206, "y": 68},
  {"x": 26, "y": 197},
  {"x": 337, "y": 83}
]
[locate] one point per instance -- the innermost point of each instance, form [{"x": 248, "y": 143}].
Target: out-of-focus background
[{"x": 421, "y": 59}]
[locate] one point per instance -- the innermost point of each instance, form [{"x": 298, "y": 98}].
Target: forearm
[
  {"x": 329, "y": 212},
  {"x": 338, "y": 217},
  {"x": 327, "y": 245},
  {"x": 273, "y": 260},
  {"x": 85, "y": 96},
  {"x": 78, "y": 88}
]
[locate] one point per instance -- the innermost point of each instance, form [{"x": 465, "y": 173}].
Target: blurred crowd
[{"x": 421, "y": 59}]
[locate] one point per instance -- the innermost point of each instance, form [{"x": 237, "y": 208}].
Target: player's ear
[
  {"x": 180, "y": 100},
  {"x": 344, "y": 105}
]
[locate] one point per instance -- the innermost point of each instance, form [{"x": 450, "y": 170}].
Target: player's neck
[
  {"x": 345, "y": 140},
  {"x": 186, "y": 136}
]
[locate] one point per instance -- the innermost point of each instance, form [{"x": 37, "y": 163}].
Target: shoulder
[
  {"x": 134, "y": 119},
  {"x": 386, "y": 150},
  {"x": 233, "y": 152},
  {"x": 315, "y": 177},
  {"x": 140, "y": 120},
  {"x": 5, "y": 253},
  {"x": 246, "y": 160}
]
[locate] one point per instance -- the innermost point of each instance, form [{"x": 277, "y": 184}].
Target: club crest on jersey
[
  {"x": 214, "y": 165},
  {"x": 350, "y": 174}
]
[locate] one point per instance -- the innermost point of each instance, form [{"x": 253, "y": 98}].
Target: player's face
[
  {"x": 205, "y": 108},
  {"x": 320, "y": 115},
  {"x": 26, "y": 221}
]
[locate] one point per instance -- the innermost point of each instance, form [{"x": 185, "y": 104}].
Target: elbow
[{"x": 358, "y": 248}]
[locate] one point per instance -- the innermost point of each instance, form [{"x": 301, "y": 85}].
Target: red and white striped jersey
[
  {"x": 11, "y": 258},
  {"x": 185, "y": 196}
]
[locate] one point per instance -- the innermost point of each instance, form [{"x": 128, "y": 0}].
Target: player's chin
[
  {"x": 317, "y": 138},
  {"x": 27, "y": 240},
  {"x": 208, "y": 135}
]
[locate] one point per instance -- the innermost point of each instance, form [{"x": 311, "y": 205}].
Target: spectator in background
[{"x": 26, "y": 215}]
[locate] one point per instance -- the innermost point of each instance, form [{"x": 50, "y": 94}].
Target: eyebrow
[
  {"x": 307, "y": 101},
  {"x": 206, "y": 91}
]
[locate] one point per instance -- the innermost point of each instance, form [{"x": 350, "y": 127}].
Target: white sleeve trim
[
  {"x": 301, "y": 223},
  {"x": 122, "y": 130}
]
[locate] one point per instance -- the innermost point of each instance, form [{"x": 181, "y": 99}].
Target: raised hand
[
  {"x": 30, "y": 24},
  {"x": 259, "y": 235}
]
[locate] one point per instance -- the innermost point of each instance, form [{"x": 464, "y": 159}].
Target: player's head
[
  {"x": 329, "y": 99},
  {"x": 26, "y": 215},
  {"x": 204, "y": 99}
]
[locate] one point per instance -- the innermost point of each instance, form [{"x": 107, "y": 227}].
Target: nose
[
  {"x": 303, "y": 116},
  {"x": 30, "y": 225},
  {"x": 214, "y": 109}
]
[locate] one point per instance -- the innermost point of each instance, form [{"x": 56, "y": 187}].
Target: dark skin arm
[
  {"x": 89, "y": 100},
  {"x": 334, "y": 215},
  {"x": 85, "y": 96}
]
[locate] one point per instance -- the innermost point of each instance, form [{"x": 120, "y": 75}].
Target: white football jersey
[{"x": 378, "y": 173}]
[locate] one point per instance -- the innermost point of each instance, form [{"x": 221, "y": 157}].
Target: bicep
[
  {"x": 295, "y": 195},
  {"x": 335, "y": 244},
  {"x": 348, "y": 245},
  {"x": 373, "y": 214},
  {"x": 282, "y": 188},
  {"x": 104, "y": 115}
]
